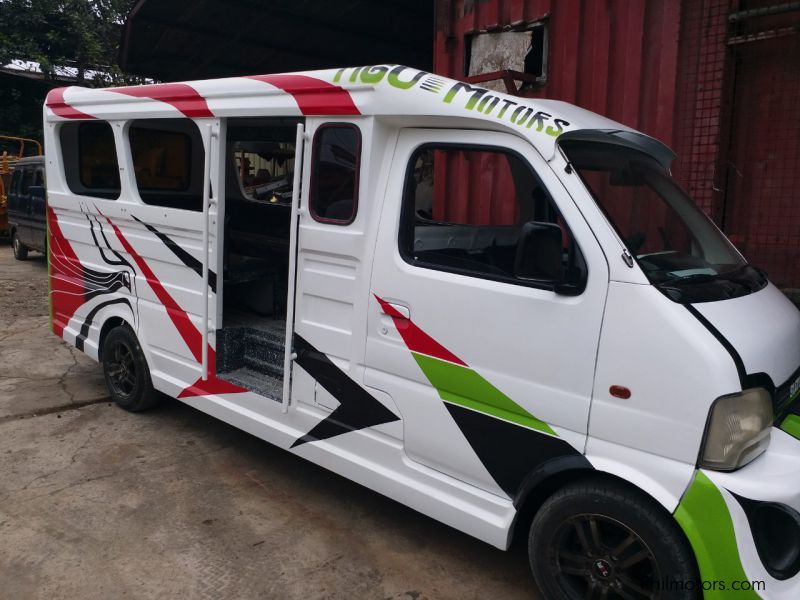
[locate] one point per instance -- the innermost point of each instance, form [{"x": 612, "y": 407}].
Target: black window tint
[
  {"x": 97, "y": 159},
  {"x": 168, "y": 157},
  {"x": 39, "y": 179},
  {"x": 90, "y": 159},
  {"x": 15, "y": 181},
  {"x": 484, "y": 212},
  {"x": 27, "y": 181},
  {"x": 334, "y": 173}
]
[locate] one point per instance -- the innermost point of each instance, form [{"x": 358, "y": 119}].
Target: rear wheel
[
  {"x": 126, "y": 373},
  {"x": 601, "y": 539},
  {"x": 20, "y": 249}
]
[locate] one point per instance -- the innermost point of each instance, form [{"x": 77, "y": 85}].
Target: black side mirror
[
  {"x": 540, "y": 254},
  {"x": 540, "y": 257}
]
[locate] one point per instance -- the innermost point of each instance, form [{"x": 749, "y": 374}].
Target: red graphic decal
[
  {"x": 313, "y": 96},
  {"x": 417, "y": 340},
  {"x": 67, "y": 277},
  {"x": 183, "y": 97},
  {"x": 55, "y": 102},
  {"x": 180, "y": 318},
  {"x": 212, "y": 385}
]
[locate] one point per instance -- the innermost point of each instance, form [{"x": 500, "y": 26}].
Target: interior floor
[{"x": 251, "y": 343}]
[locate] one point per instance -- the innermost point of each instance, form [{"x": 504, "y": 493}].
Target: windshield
[{"x": 675, "y": 243}]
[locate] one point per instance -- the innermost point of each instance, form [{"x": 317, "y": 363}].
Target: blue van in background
[{"x": 27, "y": 207}]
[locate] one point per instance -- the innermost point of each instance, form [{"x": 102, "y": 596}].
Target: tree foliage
[{"x": 82, "y": 36}]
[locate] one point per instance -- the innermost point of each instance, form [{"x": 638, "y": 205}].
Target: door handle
[{"x": 398, "y": 311}]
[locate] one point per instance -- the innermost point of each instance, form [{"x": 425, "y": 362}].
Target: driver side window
[{"x": 483, "y": 212}]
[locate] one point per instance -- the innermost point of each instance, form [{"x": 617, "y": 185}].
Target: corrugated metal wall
[
  {"x": 679, "y": 71},
  {"x": 615, "y": 57}
]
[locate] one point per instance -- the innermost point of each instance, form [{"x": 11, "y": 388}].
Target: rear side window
[
  {"x": 90, "y": 159},
  {"x": 483, "y": 212},
  {"x": 161, "y": 159},
  {"x": 334, "y": 173},
  {"x": 168, "y": 158}
]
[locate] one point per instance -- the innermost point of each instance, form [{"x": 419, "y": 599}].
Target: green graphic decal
[
  {"x": 791, "y": 425},
  {"x": 706, "y": 521},
  {"x": 463, "y": 386},
  {"x": 474, "y": 98}
]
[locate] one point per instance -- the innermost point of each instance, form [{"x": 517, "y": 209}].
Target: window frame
[
  {"x": 313, "y": 172},
  {"x": 406, "y": 225}
]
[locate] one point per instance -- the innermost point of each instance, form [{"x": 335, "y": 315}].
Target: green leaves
[{"x": 74, "y": 37}]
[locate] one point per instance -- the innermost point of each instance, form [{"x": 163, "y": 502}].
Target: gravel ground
[{"x": 99, "y": 503}]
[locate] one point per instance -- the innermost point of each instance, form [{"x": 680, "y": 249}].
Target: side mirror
[
  {"x": 540, "y": 257},
  {"x": 540, "y": 254}
]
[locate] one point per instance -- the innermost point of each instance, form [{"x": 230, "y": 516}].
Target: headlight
[{"x": 738, "y": 430}]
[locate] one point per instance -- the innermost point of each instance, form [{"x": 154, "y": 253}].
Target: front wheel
[
  {"x": 126, "y": 373},
  {"x": 20, "y": 249},
  {"x": 602, "y": 539}
]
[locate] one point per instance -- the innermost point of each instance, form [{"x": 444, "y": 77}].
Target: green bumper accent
[
  {"x": 463, "y": 386},
  {"x": 791, "y": 425},
  {"x": 706, "y": 521}
]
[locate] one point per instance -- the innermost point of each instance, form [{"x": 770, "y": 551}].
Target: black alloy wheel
[
  {"x": 126, "y": 372},
  {"x": 602, "y": 538},
  {"x": 598, "y": 557},
  {"x": 121, "y": 369}
]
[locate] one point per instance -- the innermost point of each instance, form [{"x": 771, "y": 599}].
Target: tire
[
  {"x": 20, "y": 249},
  {"x": 125, "y": 371},
  {"x": 603, "y": 539}
]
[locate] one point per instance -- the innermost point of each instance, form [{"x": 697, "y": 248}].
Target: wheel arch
[
  {"x": 664, "y": 485},
  {"x": 112, "y": 321}
]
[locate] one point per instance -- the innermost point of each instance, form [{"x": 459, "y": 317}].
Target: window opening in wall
[{"x": 508, "y": 61}]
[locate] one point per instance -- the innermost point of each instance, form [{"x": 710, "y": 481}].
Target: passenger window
[
  {"x": 168, "y": 157},
  {"x": 16, "y": 178},
  {"x": 90, "y": 159},
  {"x": 27, "y": 181},
  {"x": 484, "y": 212},
  {"x": 334, "y": 174}
]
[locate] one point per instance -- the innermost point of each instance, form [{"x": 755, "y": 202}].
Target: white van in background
[{"x": 501, "y": 312}]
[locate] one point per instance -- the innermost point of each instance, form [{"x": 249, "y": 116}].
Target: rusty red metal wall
[
  {"x": 615, "y": 57},
  {"x": 683, "y": 71}
]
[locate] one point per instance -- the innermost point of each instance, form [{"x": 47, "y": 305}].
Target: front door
[{"x": 490, "y": 368}]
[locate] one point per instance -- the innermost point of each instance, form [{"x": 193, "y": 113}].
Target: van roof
[{"x": 379, "y": 90}]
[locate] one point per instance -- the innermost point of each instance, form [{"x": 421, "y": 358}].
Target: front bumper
[{"x": 714, "y": 515}]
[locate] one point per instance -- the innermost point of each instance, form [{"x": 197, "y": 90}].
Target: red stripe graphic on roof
[
  {"x": 55, "y": 102},
  {"x": 417, "y": 340},
  {"x": 313, "y": 96},
  {"x": 183, "y": 97},
  {"x": 190, "y": 334}
]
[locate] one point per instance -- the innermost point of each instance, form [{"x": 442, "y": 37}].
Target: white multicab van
[{"x": 501, "y": 312}]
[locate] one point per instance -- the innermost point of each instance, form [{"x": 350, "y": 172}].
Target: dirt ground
[{"x": 99, "y": 503}]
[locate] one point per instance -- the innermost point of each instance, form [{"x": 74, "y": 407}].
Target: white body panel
[
  {"x": 763, "y": 327},
  {"x": 355, "y": 299}
]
